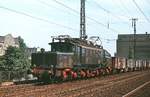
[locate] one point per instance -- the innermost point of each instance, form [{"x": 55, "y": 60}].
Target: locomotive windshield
[{"x": 61, "y": 47}]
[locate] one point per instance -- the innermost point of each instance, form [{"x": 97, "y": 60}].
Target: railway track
[
  {"x": 135, "y": 92},
  {"x": 96, "y": 86},
  {"x": 92, "y": 86},
  {"x": 122, "y": 87}
]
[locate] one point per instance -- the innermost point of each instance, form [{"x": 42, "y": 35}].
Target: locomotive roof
[
  {"x": 79, "y": 41},
  {"x": 76, "y": 41}
]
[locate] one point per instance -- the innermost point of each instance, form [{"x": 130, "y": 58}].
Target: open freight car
[{"x": 122, "y": 64}]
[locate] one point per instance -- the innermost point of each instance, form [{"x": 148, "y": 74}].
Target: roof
[
  {"x": 2, "y": 39},
  {"x": 76, "y": 41},
  {"x": 79, "y": 41}
]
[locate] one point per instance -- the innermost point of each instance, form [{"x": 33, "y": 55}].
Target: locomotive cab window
[{"x": 61, "y": 47}]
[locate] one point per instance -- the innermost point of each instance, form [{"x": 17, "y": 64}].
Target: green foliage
[
  {"x": 22, "y": 45},
  {"x": 23, "y": 48},
  {"x": 15, "y": 61},
  {"x": 1, "y": 63}
]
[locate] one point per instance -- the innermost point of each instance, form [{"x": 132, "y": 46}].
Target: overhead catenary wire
[
  {"x": 128, "y": 11},
  {"x": 123, "y": 5},
  {"x": 86, "y": 16},
  {"x": 66, "y": 6},
  {"x": 107, "y": 11},
  {"x": 48, "y": 5},
  {"x": 120, "y": 8},
  {"x": 148, "y": 20},
  {"x": 37, "y": 18}
]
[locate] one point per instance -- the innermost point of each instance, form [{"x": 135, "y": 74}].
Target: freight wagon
[{"x": 121, "y": 64}]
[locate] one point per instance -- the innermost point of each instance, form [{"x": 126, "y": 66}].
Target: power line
[
  {"x": 141, "y": 10},
  {"x": 121, "y": 2},
  {"x": 116, "y": 4},
  {"x": 86, "y": 16},
  {"x": 37, "y": 18},
  {"x": 128, "y": 11},
  {"x": 48, "y": 5},
  {"x": 109, "y": 40},
  {"x": 102, "y": 24},
  {"x": 66, "y": 6},
  {"x": 107, "y": 11}
]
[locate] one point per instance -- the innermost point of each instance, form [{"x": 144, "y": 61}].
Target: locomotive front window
[{"x": 61, "y": 47}]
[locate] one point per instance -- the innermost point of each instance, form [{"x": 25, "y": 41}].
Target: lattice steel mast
[
  {"x": 134, "y": 36},
  {"x": 82, "y": 21}
]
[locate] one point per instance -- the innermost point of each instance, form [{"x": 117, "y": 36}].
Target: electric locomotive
[{"x": 71, "y": 58}]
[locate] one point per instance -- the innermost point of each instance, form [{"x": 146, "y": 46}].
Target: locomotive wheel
[
  {"x": 67, "y": 75},
  {"x": 82, "y": 74}
]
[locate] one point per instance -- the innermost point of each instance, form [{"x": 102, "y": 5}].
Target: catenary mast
[
  {"x": 82, "y": 21},
  {"x": 134, "y": 37}
]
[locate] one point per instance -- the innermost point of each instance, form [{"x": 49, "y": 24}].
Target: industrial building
[{"x": 133, "y": 46}]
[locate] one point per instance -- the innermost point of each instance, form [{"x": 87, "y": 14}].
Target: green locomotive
[{"x": 71, "y": 58}]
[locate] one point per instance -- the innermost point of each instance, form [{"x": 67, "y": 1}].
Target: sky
[{"x": 37, "y": 20}]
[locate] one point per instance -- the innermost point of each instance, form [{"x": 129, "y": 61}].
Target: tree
[
  {"x": 1, "y": 63},
  {"x": 23, "y": 48},
  {"x": 11, "y": 57},
  {"x": 22, "y": 45},
  {"x": 15, "y": 60}
]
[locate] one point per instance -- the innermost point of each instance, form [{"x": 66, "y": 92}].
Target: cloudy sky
[{"x": 37, "y": 20}]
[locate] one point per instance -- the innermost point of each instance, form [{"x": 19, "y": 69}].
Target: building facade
[
  {"x": 6, "y": 41},
  {"x": 130, "y": 47},
  {"x": 29, "y": 51}
]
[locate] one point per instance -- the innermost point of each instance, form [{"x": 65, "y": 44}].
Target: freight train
[{"x": 74, "y": 58}]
